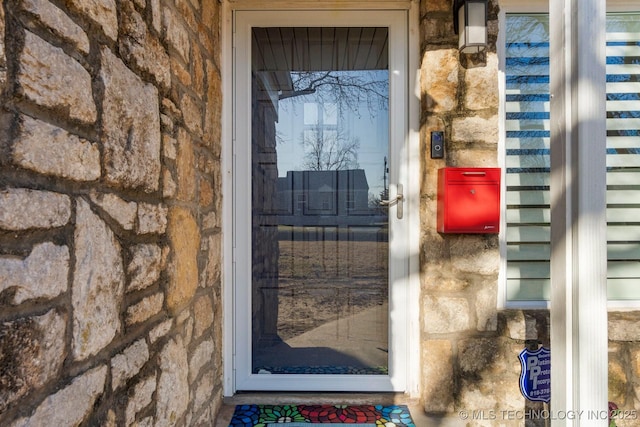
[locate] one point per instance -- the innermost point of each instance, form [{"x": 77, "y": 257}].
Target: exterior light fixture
[{"x": 470, "y": 23}]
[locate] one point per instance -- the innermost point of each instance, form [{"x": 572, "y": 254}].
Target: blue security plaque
[{"x": 535, "y": 379}]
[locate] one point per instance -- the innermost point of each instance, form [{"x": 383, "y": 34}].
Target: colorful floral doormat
[{"x": 374, "y": 415}]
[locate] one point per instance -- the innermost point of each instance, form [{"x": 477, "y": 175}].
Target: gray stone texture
[
  {"x": 152, "y": 218},
  {"x": 50, "y": 78},
  {"x": 122, "y": 211},
  {"x": 176, "y": 34},
  {"x": 130, "y": 127},
  {"x": 98, "y": 284},
  {"x": 58, "y": 22},
  {"x": 101, "y": 12},
  {"x": 65, "y": 155},
  {"x": 141, "y": 48},
  {"x": 145, "y": 266},
  {"x": 71, "y": 405},
  {"x": 142, "y": 397},
  {"x": 144, "y": 309},
  {"x": 200, "y": 357},
  {"x": 172, "y": 394},
  {"x": 31, "y": 353},
  {"x": 95, "y": 328},
  {"x": 42, "y": 274},
  {"x": 128, "y": 363},
  {"x": 446, "y": 315},
  {"x": 24, "y": 209}
]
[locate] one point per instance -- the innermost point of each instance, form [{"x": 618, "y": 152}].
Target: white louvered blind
[{"x": 527, "y": 162}]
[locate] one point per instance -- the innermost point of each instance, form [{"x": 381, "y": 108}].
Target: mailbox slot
[{"x": 469, "y": 200}]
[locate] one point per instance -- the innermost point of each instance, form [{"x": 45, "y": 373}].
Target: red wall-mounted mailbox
[{"x": 468, "y": 200}]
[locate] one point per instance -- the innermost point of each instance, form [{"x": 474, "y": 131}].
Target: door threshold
[{"x": 315, "y": 398}]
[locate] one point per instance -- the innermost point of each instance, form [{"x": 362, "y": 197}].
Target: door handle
[{"x": 395, "y": 201}]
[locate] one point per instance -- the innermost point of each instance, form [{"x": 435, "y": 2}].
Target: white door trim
[{"x": 406, "y": 362}]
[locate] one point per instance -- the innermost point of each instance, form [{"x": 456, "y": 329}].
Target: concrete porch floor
[{"x": 417, "y": 413}]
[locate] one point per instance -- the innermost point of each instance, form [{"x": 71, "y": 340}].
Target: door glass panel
[{"x": 320, "y": 155}]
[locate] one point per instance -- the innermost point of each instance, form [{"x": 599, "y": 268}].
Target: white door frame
[{"x": 404, "y": 305}]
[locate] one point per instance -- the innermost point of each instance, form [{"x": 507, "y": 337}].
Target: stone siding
[
  {"x": 110, "y": 248},
  {"x": 469, "y": 347}
]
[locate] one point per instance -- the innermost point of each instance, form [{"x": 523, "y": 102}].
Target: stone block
[
  {"x": 42, "y": 274},
  {"x": 145, "y": 266},
  {"x": 519, "y": 327},
  {"x": 473, "y": 157},
  {"x": 185, "y": 168},
  {"x": 172, "y": 394},
  {"x": 213, "y": 269},
  {"x": 439, "y": 278},
  {"x": 144, "y": 309},
  {"x": 32, "y": 353},
  {"x": 486, "y": 307},
  {"x": 432, "y": 6},
  {"x": 617, "y": 383},
  {"x": 169, "y": 186},
  {"x": 24, "y": 209},
  {"x": 476, "y": 357},
  {"x": 437, "y": 31},
  {"x": 152, "y": 218},
  {"x": 127, "y": 364},
  {"x": 58, "y": 22},
  {"x": 203, "y": 391},
  {"x": 71, "y": 405},
  {"x": 635, "y": 361},
  {"x": 481, "y": 86},
  {"x": 437, "y": 362},
  {"x": 130, "y": 127},
  {"x": 475, "y": 254},
  {"x": 184, "y": 239},
  {"x": 50, "y": 150},
  {"x": 141, "y": 397},
  {"x": 176, "y": 34},
  {"x": 156, "y": 16},
  {"x": 202, "y": 315},
  {"x": 197, "y": 65},
  {"x": 439, "y": 77},
  {"x": 98, "y": 284},
  {"x": 192, "y": 114},
  {"x": 169, "y": 149},
  {"x": 200, "y": 357},
  {"x": 102, "y": 12},
  {"x": 206, "y": 193},
  {"x": 475, "y": 129},
  {"x": 122, "y": 211},
  {"x": 445, "y": 314},
  {"x": 623, "y": 326},
  {"x": 160, "y": 331},
  {"x": 50, "y": 78},
  {"x": 213, "y": 119},
  {"x": 141, "y": 48}
]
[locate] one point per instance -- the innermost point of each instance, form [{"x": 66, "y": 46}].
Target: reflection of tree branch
[
  {"x": 334, "y": 151},
  {"x": 346, "y": 89}
]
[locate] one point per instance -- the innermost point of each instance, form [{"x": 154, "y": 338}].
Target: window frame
[{"x": 533, "y": 7}]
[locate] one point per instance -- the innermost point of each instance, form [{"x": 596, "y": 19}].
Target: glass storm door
[{"x": 319, "y": 125}]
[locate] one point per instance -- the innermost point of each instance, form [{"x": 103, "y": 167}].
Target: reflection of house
[{"x": 336, "y": 197}]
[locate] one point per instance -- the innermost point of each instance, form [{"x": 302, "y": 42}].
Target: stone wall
[
  {"x": 470, "y": 348},
  {"x": 110, "y": 249}
]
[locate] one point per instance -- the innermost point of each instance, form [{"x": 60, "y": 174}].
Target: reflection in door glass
[{"x": 320, "y": 150}]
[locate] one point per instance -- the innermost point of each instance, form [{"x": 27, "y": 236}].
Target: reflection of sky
[{"x": 370, "y": 128}]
